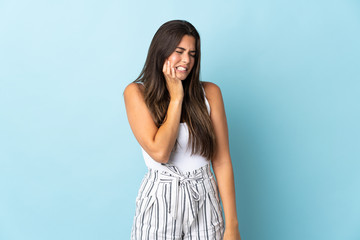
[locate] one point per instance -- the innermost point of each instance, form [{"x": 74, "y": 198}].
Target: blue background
[{"x": 289, "y": 72}]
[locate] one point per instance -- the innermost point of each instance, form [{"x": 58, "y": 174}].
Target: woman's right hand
[{"x": 173, "y": 84}]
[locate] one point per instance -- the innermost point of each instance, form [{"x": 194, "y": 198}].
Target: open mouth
[{"x": 181, "y": 69}]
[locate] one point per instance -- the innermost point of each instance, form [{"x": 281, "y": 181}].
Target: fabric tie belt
[{"x": 176, "y": 179}]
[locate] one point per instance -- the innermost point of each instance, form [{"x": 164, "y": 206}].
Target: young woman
[{"x": 181, "y": 126}]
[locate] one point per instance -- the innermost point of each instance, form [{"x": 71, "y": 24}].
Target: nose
[{"x": 185, "y": 58}]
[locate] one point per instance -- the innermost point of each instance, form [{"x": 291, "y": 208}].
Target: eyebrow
[{"x": 185, "y": 49}]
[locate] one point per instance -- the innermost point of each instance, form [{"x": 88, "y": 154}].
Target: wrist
[
  {"x": 176, "y": 100},
  {"x": 232, "y": 224}
]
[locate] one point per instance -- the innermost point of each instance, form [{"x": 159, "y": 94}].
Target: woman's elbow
[
  {"x": 160, "y": 156},
  {"x": 158, "y": 153}
]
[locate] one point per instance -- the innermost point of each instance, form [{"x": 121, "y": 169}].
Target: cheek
[
  {"x": 173, "y": 59},
  {"x": 192, "y": 64}
]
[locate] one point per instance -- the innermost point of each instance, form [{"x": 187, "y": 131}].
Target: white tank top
[{"x": 181, "y": 158}]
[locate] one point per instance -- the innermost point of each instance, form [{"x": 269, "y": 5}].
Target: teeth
[{"x": 181, "y": 69}]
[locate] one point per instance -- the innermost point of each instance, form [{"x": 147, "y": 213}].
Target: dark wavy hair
[{"x": 156, "y": 95}]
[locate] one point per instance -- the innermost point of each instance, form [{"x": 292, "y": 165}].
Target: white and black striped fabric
[{"x": 176, "y": 205}]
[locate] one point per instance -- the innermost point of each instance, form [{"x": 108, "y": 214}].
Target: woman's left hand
[{"x": 232, "y": 234}]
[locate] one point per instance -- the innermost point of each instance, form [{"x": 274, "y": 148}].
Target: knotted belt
[{"x": 176, "y": 179}]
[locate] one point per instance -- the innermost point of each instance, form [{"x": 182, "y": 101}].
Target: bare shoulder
[
  {"x": 134, "y": 101},
  {"x": 133, "y": 89},
  {"x": 212, "y": 91}
]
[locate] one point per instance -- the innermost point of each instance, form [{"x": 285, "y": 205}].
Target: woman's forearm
[
  {"x": 225, "y": 178},
  {"x": 165, "y": 137}
]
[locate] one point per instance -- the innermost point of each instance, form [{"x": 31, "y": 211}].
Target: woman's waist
[{"x": 183, "y": 162}]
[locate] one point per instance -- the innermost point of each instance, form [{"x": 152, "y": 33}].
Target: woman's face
[{"x": 183, "y": 58}]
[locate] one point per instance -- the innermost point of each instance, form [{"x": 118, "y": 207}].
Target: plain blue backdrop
[{"x": 70, "y": 166}]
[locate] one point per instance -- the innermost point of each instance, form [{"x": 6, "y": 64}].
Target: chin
[{"x": 183, "y": 78}]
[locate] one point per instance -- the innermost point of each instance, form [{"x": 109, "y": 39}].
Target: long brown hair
[{"x": 157, "y": 98}]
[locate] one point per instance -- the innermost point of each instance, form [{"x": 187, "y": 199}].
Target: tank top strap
[{"x": 206, "y": 101}]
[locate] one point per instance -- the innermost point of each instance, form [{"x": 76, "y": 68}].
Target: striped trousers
[{"x": 178, "y": 205}]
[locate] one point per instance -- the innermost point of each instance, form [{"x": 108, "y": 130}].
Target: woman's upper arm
[
  {"x": 218, "y": 118},
  {"x": 139, "y": 117}
]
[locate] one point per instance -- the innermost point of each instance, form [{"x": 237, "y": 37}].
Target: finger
[
  {"x": 173, "y": 75},
  {"x": 164, "y": 67},
  {"x": 168, "y": 68},
  {"x": 173, "y": 72}
]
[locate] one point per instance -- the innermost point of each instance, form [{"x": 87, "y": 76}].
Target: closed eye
[{"x": 191, "y": 54}]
